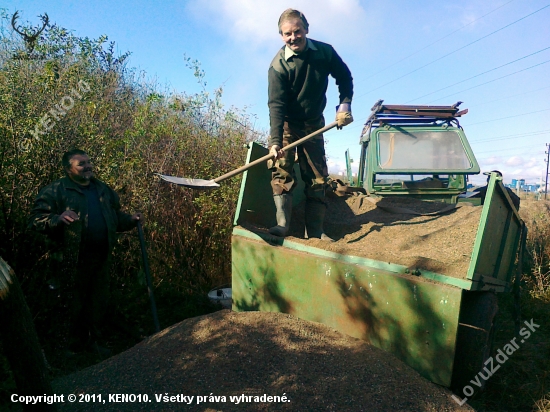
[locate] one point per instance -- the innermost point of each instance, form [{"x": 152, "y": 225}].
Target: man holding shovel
[
  {"x": 298, "y": 81},
  {"x": 83, "y": 215}
]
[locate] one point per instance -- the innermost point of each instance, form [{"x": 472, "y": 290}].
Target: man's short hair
[
  {"x": 67, "y": 156},
  {"x": 290, "y": 14}
]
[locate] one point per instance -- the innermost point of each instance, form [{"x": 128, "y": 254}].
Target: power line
[
  {"x": 435, "y": 42},
  {"x": 454, "y": 51},
  {"x": 508, "y": 117},
  {"x": 491, "y": 81},
  {"x": 494, "y": 138},
  {"x": 510, "y": 148},
  {"x": 511, "y": 136},
  {"x": 360, "y": 124},
  {"x": 480, "y": 74},
  {"x": 547, "y": 160},
  {"x": 509, "y": 97}
]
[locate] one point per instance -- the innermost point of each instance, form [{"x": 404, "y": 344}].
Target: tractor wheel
[{"x": 474, "y": 343}]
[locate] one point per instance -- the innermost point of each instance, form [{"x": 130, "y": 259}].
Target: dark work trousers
[
  {"x": 91, "y": 297},
  {"x": 311, "y": 158}
]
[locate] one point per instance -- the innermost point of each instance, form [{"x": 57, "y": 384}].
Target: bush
[
  {"x": 73, "y": 92},
  {"x": 536, "y": 215}
]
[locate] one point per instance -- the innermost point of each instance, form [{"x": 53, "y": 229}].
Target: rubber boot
[
  {"x": 283, "y": 203},
  {"x": 315, "y": 217}
]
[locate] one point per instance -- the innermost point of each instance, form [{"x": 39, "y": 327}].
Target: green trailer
[{"x": 439, "y": 324}]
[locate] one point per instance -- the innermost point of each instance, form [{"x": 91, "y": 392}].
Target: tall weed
[{"x": 536, "y": 215}]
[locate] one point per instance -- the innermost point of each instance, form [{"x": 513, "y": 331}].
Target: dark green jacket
[
  {"x": 64, "y": 194},
  {"x": 297, "y": 86}
]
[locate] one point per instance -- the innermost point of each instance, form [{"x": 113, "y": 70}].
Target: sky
[{"x": 494, "y": 56}]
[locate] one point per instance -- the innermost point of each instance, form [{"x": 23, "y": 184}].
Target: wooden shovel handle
[{"x": 270, "y": 156}]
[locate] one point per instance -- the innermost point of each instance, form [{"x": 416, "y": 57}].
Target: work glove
[
  {"x": 343, "y": 115},
  {"x": 276, "y": 152}
]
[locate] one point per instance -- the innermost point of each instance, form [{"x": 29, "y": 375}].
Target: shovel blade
[{"x": 191, "y": 183}]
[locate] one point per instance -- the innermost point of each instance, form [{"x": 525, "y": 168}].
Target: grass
[{"x": 523, "y": 381}]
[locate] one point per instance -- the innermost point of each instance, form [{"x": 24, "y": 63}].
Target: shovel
[{"x": 214, "y": 183}]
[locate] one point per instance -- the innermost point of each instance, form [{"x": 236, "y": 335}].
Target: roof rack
[
  {"x": 439, "y": 112},
  {"x": 411, "y": 114}
]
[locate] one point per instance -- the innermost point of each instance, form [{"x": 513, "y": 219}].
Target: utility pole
[{"x": 547, "y": 153}]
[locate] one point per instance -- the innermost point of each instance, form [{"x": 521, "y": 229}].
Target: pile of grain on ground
[
  {"x": 362, "y": 227},
  {"x": 256, "y": 353}
]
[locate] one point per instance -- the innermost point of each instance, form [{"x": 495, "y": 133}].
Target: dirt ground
[
  {"x": 317, "y": 368},
  {"x": 441, "y": 243},
  {"x": 255, "y": 353}
]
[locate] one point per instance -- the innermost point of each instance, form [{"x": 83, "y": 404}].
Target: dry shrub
[
  {"x": 131, "y": 129},
  {"x": 543, "y": 405},
  {"x": 536, "y": 215}
]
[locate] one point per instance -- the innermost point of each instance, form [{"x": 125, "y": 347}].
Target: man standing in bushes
[
  {"x": 82, "y": 214},
  {"x": 298, "y": 81}
]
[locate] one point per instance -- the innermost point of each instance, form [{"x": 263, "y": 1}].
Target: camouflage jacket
[{"x": 64, "y": 194}]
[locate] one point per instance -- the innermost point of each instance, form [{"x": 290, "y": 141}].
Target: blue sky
[{"x": 421, "y": 52}]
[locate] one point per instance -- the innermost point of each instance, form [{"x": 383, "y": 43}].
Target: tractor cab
[{"x": 416, "y": 151}]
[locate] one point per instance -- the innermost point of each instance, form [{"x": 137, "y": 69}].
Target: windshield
[{"x": 422, "y": 150}]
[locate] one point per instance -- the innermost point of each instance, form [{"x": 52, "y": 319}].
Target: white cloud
[
  {"x": 343, "y": 23},
  {"x": 533, "y": 163},
  {"x": 336, "y": 166},
  {"x": 468, "y": 15},
  {"x": 515, "y": 161},
  {"x": 515, "y": 167},
  {"x": 525, "y": 164},
  {"x": 493, "y": 160},
  {"x": 531, "y": 175},
  {"x": 468, "y": 18}
]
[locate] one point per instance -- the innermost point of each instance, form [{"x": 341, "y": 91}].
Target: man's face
[
  {"x": 81, "y": 169},
  {"x": 294, "y": 35}
]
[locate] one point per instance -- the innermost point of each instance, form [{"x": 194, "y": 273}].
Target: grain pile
[
  {"x": 254, "y": 353},
  {"x": 362, "y": 227}
]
